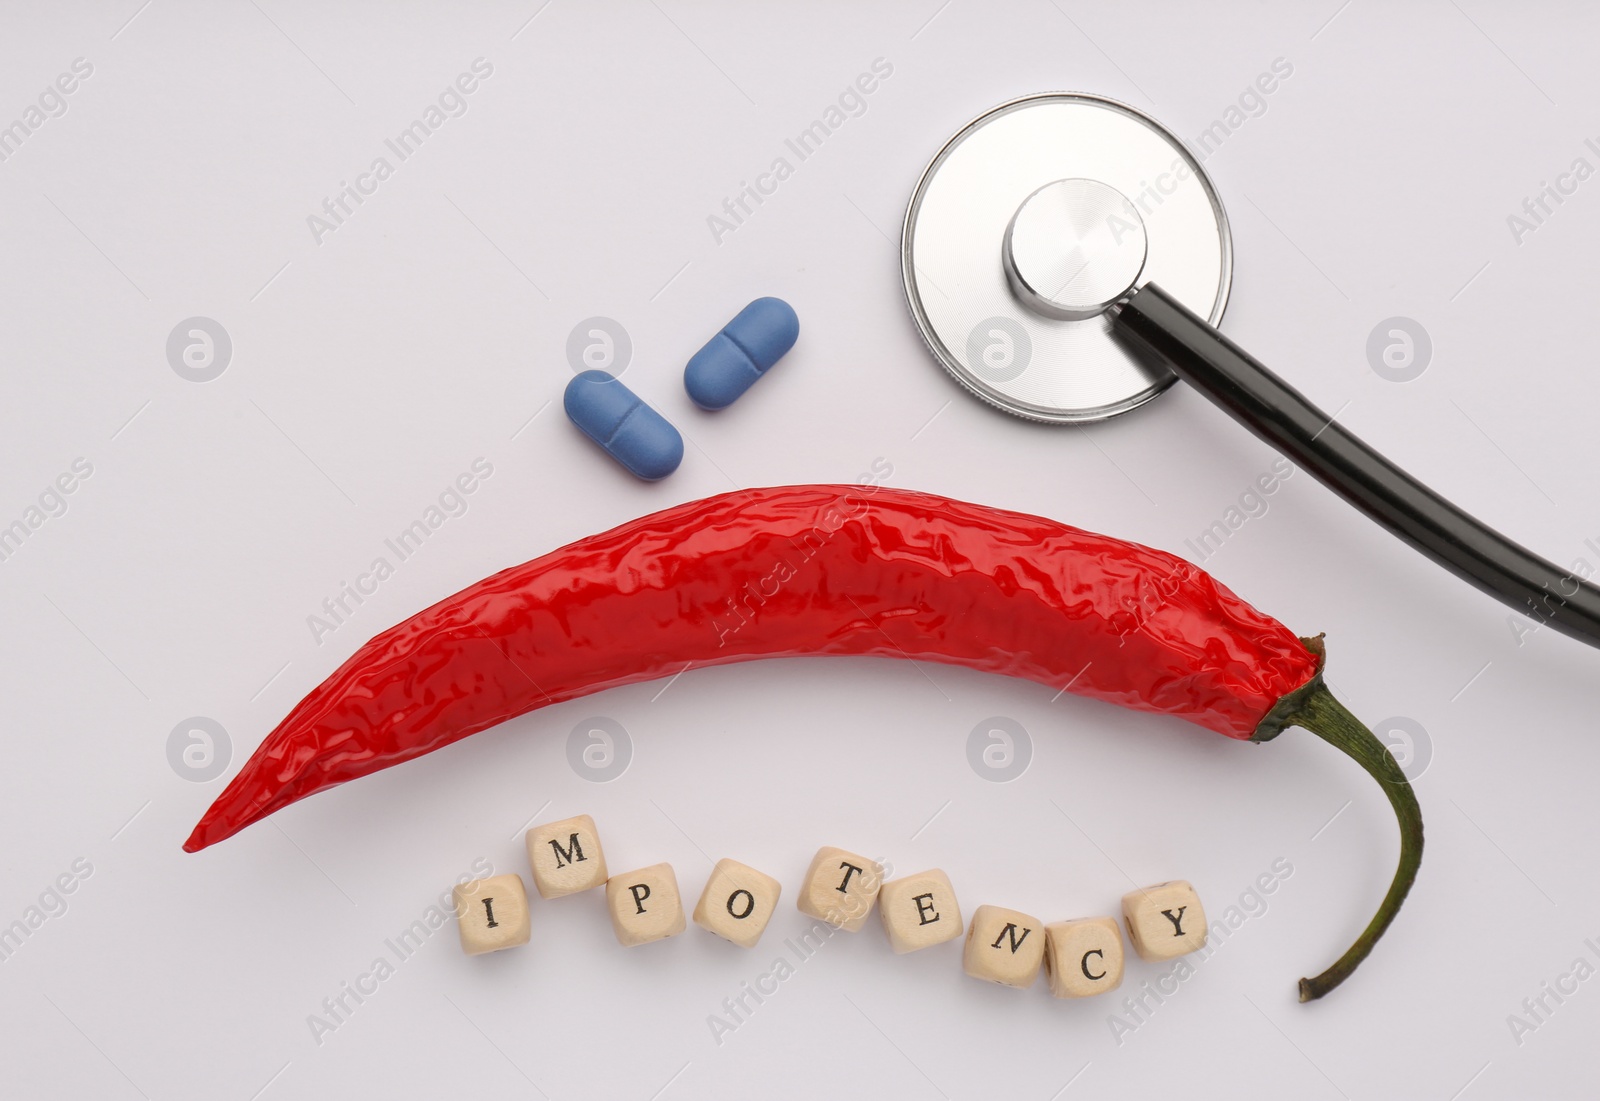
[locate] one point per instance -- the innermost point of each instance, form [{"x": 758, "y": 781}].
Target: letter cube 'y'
[
  {"x": 737, "y": 903},
  {"x": 1004, "y": 946},
  {"x": 492, "y": 913},
  {"x": 566, "y": 857},
  {"x": 840, "y": 888},
  {"x": 645, "y": 905},
  {"x": 1165, "y": 921},
  {"x": 920, "y": 911}
]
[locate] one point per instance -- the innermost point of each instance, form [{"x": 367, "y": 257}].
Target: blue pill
[
  {"x": 742, "y": 352},
  {"x": 627, "y": 429}
]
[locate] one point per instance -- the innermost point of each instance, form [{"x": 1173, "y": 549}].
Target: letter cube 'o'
[
  {"x": 566, "y": 857},
  {"x": 840, "y": 888},
  {"x": 1004, "y": 946},
  {"x": 919, "y": 911},
  {"x": 1083, "y": 957},
  {"x": 492, "y": 914},
  {"x": 1164, "y": 921},
  {"x": 737, "y": 903},
  {"x": 645, "y": 905}
]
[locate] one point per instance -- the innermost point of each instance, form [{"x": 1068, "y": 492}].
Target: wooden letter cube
[
  {"x": 1083, "y": 957},
  {"x": 840, "y": 888},
  {"x": 920, "y": 911},
  {"x": 1165, "y": 921},
  {"x": 493, "y": 914},
  {"x": 1004, "y": 946},
  {"x": 566, "y": 857},
  {"x": 645, "y": 905},
  {"x": 737, "y": 903}
]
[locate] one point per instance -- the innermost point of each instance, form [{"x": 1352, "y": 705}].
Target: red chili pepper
[{"x": 800, "y": 570}]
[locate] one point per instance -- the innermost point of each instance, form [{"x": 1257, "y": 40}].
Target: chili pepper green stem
[{"x": 1319, "y": 712}]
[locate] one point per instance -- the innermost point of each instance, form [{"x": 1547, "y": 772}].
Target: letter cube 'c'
[
  {"x": 1083, "y": 957},
  {"x": 1164, "y": 921},
  {"x": 566, "y": 857}
]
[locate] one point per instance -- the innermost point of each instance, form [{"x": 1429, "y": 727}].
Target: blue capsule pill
[
  {"x": 627, "y": 429},
  {"x": 742, "y": 352}
]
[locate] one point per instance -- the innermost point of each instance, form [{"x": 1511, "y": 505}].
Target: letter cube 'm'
[
  {"x": 492, "y": 913},
  {"x": 566, "y": 857},
  {"x": 919, "y": 911},
  {"x": 840, "y": 888},
  {"x": 1165, "y": 921},
  {"x": 645, "y": 905},
  {"x": 1004, "y": 946},
  {"x": 1083, "y": 957},
  {"x": 737, "y": 903}
]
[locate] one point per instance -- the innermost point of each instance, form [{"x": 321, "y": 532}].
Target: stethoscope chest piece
[{"x": 1035, "y": 219}]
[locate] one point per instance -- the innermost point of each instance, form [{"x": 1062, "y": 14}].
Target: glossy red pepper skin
[{"x": 782, "y": 572}]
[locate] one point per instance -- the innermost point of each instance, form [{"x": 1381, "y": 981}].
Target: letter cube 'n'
[
  {"x": 1165, "y": 921},
  {"x": 492, "y": 913},
  {"x": 920, "y": 911},
  {"x": 840, "y": 888},
  {"x": 1083, "y": 957},
  {"x": 1004, "y": 946},
  {"x": 566, "y": 857},
  {"x": 737, "y": 903},
  {"x": 645, "y": 905}
]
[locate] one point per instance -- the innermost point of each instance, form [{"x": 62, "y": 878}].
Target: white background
[{"x": 372, "y": 368}]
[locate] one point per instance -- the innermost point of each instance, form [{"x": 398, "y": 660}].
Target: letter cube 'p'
[
  {"x": 920, "y": 911},
  {"x": 1004, "y": 946},
  {"x": 492, "y": 913},
  {"x": 645, "y": 905},
  {"x": 737, "y": 903},
  {"x": 566, "y": 857},
  {"x": 1165, "y": 921},
  {"x": 840, "y": 888},
  {"x": 1083, "y": 957}
]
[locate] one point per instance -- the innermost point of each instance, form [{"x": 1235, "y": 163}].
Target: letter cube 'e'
[
  {"x": 840, "y": 888},
  {"x": 566, "y": 857},
  {"x": 919, "y": 911},
  {"x": 1165, "y": 921},
  {"x": 492, "y": 913},
  {"x": 1083, "y": 957},
  {"x": 737, "y": 903},
  {"x": 1004, "y": 946},
  {"x": 645, "y": 905}
]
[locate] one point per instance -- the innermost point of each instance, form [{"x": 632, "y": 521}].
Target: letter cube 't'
[
  {"x": 645, "y": 905},
  {"x": 1164, "y": 921},
  {"x": 840, "y": 888},
  {"x": 1083, "y": 957},
  {"x": 566, "y": 857},
  {"x": 492, "y": 913},
  {"x": 1004, "y": 946},
  {"x": 737, "y": 903},
  {"x": 919, "y": 911}
]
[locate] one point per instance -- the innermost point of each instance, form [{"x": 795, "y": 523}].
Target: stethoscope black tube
[{"x": 1281, "y": 415}]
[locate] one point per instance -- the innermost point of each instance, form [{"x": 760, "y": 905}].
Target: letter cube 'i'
[
  {"x": 737, "y": 903},
  {"x": 1164, "y": 921},
  {"x": 920, "y": 911},
  {"x": 1004, "y": 946},
  {"x": 566, "y": 857},
  {"x": 1083, "y": 957},
  {"x": 645, "y": 905},
  {"x": 840, "y": 888},
  {"x": 492, "y": 913}
]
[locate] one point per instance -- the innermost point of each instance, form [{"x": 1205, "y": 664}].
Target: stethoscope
[{"x": 1067, "y": 259}]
